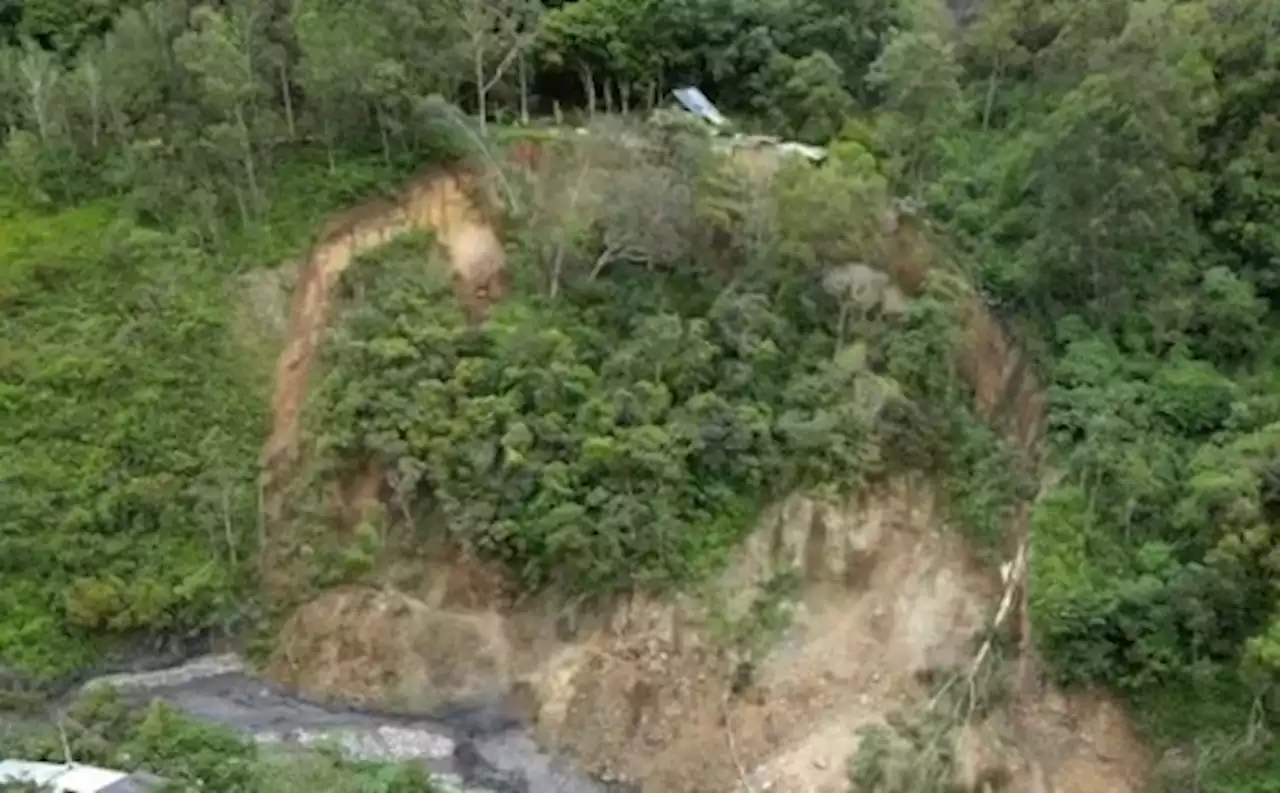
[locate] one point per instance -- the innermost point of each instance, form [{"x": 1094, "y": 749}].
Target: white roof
[
  {"x": 73, "y": 778},
  {"x": 88, "y": 779}
]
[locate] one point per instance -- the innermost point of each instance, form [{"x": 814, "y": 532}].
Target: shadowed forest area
[{"x": 1105, "y": 173}]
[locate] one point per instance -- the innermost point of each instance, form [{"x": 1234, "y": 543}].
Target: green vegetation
[
  {"x": 130, "y": 439},
  {"x": 913, "y": 753},
  {"x": 1109, "y": 170},
  {"x": 754, "y": 633},
  {"x": 922, "y": 748},
  {"x": 1115, "y": 177},
  {"x": 100, "y": 730},
  {"x": 132, "y": 423},
  {"x": 626, "y": 430}
]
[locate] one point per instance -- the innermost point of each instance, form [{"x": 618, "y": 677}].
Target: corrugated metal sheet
[
  {"x": 75, "y": 778},
  {"x": 88, "y": 779},
  {"x": 697, "y": 103},
  {"x": 42, "y": 774},
  {"x": 134, "y": 783},
  {"x": 694, "y": 101}
]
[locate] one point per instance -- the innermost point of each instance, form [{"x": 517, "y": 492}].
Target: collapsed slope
[
  {"x": 439, "y": 203},
  {"x": 642, "y": 689}
]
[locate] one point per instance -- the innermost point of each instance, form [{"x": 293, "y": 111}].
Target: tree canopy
[{"x": 1105, "y": 172}]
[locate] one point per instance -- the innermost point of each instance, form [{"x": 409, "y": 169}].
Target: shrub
[
  {"x": 599, "y": 439},
  {"x": 131, "y": 438}
]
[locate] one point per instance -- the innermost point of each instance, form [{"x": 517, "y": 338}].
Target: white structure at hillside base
[{"x": 75, "y": 778}]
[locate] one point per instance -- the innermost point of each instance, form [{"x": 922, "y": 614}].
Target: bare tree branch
[{"x": 508, "y": 59}]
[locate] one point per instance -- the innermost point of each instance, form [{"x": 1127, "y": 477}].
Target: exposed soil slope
[
  {"x": 647, "y": 691},
  {"x": 644, "y": 690},
  {"x": 890, "y": 598},
  {"x": 439, "y": 202}
]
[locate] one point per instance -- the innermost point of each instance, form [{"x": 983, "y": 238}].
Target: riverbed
[{"x": 472, "y": 746}]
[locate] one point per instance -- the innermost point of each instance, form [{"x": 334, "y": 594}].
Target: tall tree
[
  {"x": 1108, "y": 169},
  {"x": 498, "y": 33},
  {"x": 918, "y": 78},
  {"x": 220, "y": 52},
  {"x": 1242, "y": 146},
  {"x": 60, "y": 25},
  {"x": 349, "y": 73},
  {"x": 40, "y": 77}
]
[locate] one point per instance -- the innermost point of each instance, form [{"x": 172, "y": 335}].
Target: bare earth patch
[
  {"x": 441, "y": 203},
  {"x": 648, "y": 690}
]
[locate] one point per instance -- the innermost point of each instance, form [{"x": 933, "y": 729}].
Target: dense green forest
[{"x": 1106, "y": 172}]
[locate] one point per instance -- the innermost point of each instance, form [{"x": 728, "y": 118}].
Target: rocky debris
[
  {"x": 476, "y": 747},
  {"x": 385, "y": 647},
  {"x": 865, "y": 288},
  {"x": 387, "y": 742},
  {"x": 195, "y": 669}
]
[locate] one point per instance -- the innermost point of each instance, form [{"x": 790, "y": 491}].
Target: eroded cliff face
[
  {"x": 888, "y": 601},
  {"x": 886, "y": 598},
  {"x": 441, "y": 203}
]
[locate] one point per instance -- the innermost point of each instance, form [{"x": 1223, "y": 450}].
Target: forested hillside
[{"x": 1106, "y": 172}]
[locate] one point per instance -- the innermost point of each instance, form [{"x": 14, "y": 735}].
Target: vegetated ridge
[
  {"x": 438, "y": 202},
  {"x": 916, "y": 607},
  {"x": 1104, "y": 171}
]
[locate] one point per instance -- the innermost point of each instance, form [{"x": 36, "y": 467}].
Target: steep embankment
[
  {"x": 650, "y": 691},
  {"x": 1068, "y": 743},
  {"x": 440, "y": 203}
]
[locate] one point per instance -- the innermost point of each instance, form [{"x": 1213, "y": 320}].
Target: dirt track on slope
[{"x": 442, "y": 203}]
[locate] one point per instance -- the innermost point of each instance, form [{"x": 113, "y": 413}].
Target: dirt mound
[{"x": 381, "y": 647}]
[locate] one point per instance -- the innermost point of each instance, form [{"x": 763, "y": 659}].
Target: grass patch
[{"x": 38, "y": 248}]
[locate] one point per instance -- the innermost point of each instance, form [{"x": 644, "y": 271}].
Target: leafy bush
[
  {"x": 581, "y": 444},
  {"x": 910, "y": 757},
  {"x": 982, "y": 475},
  {"x": 628, "y": 432},
  {"x": 915, "y": 749},
  {"x": 130, "y": 435},
  {"x": 1154, "y": 565}
]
